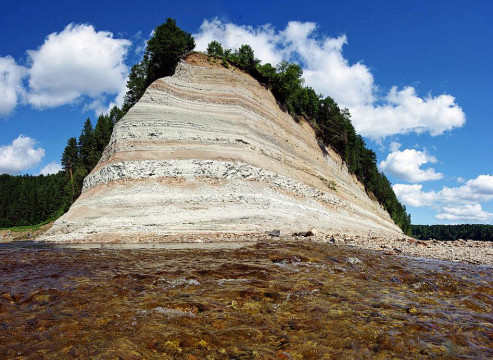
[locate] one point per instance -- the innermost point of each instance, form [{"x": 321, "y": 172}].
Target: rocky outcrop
[{"x": 209, "y": 150}]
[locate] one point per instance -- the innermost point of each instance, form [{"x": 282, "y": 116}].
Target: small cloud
[
  {"x": 471, "y": 213},
  {"x": 404, "y": 112},
  {"x": 99, "y": 105},
  {"x": 406, "y": 165},
  {"x": 140, "y": 44},
  {"x": 394, "y": 146},
  {"x": 19, "y": 156},
  {"x": 11, "y": 90},
  {"x": 414, "y": 195},
  {"x": 52, "y": 168},
  {"x": 473, "y": 191},
  {"x": 461, "y": 180},
  {"x": 454, "y": 204}
]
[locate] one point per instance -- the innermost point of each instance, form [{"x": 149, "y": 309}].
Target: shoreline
[
  {"x": 462, "y": 251},
  {"x": 476, "y": 252}
]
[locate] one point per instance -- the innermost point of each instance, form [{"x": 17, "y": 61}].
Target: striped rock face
[{"x": 208, "y": 150}]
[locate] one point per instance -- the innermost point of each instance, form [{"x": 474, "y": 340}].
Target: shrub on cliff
[{"x": 215, "y": 49}]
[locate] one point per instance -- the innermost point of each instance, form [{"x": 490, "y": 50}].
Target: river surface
[{"x": 267, "y": 300}]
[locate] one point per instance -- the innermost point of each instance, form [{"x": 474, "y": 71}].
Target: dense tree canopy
[{"x": 30, "y": 200}]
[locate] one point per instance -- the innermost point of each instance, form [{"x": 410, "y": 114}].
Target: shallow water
[{"x": 268, "y": 300}]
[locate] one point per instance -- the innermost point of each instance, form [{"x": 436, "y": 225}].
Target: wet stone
[{"x": 275, "y": 233}]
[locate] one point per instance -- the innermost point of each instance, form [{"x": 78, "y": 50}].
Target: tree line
[
  {"x": 168, "y": 44},
  {"x": 453, "y": 232},
  {"x": 30, "y": 200}
]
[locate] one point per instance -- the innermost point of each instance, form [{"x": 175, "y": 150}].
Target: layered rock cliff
[{"x": 209, "y": 150}]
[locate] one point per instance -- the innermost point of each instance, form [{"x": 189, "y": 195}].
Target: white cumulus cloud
[
  {"x": 404, "y": 112},
  {"x": 52, "y": 168},
  {"x": 400, "y": 111},
  {"x": 78, "y": 61},
  {"x": 11, "y": 90},
  {"x": 466, "y": 213},
  {"x": 264, "y": 39},
  {"x": 19, "y": 156},
  {"x": 326, "y": 69},
  {"x": 475, "y": 190},
  {"x": 460, "y": 203},
  {"x": 406, "y": 165},
  {"x": 414, "y": 195}
]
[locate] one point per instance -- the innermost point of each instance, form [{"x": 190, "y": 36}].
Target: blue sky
[{"x": 417, "y": 77}]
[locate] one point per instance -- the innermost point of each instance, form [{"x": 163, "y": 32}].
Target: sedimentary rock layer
[{"x": 209, "y": 150}]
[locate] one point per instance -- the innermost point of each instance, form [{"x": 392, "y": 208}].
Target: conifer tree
[
  {"x": 163, "y": 52},
  {"x": 87, "y": 146},
  {"x": 70, "y": 156},
  {"x": 164, "y": 49}
]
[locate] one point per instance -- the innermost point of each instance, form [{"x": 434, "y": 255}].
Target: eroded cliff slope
[{"x": 209, "y": 150}]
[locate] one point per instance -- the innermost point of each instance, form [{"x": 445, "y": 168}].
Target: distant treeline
[
  {"x": 163, "y": 52},
  {"x": 453, "y": 232},
  {"x": 30, "y": 200}
]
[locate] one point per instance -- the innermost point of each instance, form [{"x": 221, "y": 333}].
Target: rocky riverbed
[
  {"x": 471, "y": 251},
  {"x": 267, "y": 299}
]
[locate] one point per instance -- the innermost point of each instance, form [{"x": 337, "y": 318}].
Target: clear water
[{"x": 269, "y": 300}]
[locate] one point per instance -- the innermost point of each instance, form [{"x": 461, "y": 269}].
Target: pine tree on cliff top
[{"x": 162, "y": 54}]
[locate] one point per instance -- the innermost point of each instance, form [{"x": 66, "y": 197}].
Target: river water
[{"x": 267, "y": 300}]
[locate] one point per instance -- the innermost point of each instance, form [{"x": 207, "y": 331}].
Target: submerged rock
[
  {"x": 275, "y": 233},
  {"x": 354, "y": 260}
]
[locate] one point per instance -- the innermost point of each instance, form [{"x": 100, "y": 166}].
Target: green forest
[
  {"x": 30, "y": 200},
  {"x": 168, "y": 44},
  {"x": 453, "y": 232}
]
